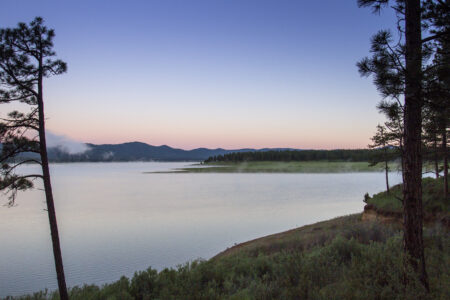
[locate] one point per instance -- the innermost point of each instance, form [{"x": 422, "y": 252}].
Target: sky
[{"x": 209, "y": 73}]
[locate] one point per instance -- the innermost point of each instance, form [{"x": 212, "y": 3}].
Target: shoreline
[{"x": 305, "y": 167}]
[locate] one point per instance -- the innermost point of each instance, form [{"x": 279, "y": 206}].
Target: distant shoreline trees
[
  {"x": 26, "y": 58},
  {"x": 355, "y": 155}
]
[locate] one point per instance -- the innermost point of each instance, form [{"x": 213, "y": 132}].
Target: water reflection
[{"x": 114, "y": 219}]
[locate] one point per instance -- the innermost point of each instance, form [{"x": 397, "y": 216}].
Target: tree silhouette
[
  {"x": 431, "y": 140},
  {"x": 393, "y": 111},
  {"x": 383, "y": 140},
  {"x": 437, "y": 99},
  {"x": 26, "y": 58},
  {"x": 356, "y": 155},
  {"x": 399, "y": 70}
]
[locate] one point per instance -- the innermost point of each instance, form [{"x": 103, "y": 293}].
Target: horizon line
[{"x": 220, "y": 148}]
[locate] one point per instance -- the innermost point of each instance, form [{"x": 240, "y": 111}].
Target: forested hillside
[{"x": 357, "y": 155}]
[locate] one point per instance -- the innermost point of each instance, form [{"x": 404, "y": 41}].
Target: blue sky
[{"x": 229, "y": 73}]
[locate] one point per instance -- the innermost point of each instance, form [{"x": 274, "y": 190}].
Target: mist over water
[
  {"x": 114, "y": 219},
  {"x": 65, "y": 143}
]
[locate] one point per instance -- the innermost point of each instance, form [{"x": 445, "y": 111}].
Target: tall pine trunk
[
  {"x": 386, "y": 168},
  {"x": 444, "y": 119},
  {"x": 49, "y": 194},
  {"x": 412, "y": 164},
  {"x": 445, "y": 154},
  {"x": 436, "y": 156},
  {"x": 387, "y": 176}
]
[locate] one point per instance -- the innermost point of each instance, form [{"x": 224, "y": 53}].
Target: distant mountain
[{"x": 136, "y": 151}]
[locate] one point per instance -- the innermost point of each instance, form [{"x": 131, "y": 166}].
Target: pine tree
[
  {"x": 399, "y": 70},
  {"x": 26, "y": 58},
  {"x": 437, "y": 82},
  {"x": 431, "y": 140},
  {"x": 384, "y": 140}
]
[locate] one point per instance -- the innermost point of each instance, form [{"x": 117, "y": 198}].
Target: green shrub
[
  {"x": 432, "y": 197},
  {"x": 143, "y": 284}
]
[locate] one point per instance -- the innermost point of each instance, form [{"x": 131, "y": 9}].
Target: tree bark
[
  {"x": 436, "y": 156},
  {"x": 445, "y": 154},
  {"x": 386, "y": 168},
  {"x": 49, "y": 194},
  {"x": 387, "y": 176},
  {"x": 412, "y": 164},
  {"x": 445, "y": 118}
]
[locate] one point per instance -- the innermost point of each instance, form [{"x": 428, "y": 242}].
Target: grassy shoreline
[{"x": 283, "y": 167}]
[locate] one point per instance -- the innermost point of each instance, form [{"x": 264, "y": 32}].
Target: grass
[
  {"x": 284, "y": 167},
  {"x": 432, "y": 197},
  {"x": 316, "y": 235}
]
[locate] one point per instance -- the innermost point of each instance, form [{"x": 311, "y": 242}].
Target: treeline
[{"x": 357, "y": 155}]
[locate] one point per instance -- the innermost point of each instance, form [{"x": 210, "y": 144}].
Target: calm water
[{"x": 115, "y": 220}]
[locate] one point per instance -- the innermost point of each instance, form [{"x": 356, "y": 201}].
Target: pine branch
[
  {"x": 435, "y": 37},
  {"x": 20, "y": 83},
  {"x": 9, "y": 169}
]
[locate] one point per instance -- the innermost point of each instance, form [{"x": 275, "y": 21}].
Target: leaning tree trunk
[
  {"x": 412, "y": 164},
  {"x": 49, "y": 194}
]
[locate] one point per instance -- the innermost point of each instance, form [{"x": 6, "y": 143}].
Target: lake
[{"x": 115, "y": 219}]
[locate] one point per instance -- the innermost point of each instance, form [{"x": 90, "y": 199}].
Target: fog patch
[
  {"x": 107, "y": 155},
  {"x": 65, "y": 143}
]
